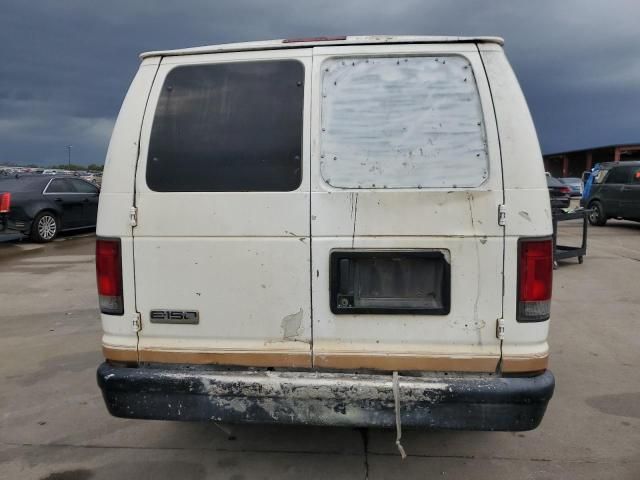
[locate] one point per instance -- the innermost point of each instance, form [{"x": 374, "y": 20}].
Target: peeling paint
[
  {"x": 479, "y": 401},
  {"x": 404, "y": 122},
  {"x": 325, "y": 398},
  {"x": 292, "y": 325}
]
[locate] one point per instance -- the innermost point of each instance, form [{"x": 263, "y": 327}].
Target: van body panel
[
  {"x": 249, "y": 292},
  {"x": 240, "y": 259},
  {"x": 525, "y": 188},
  {"x": 463, "y": 221},
  {"x": 528, "y": 209},
  {"x": 117, "y": 197},
  {"x": 418, "y": 213},
  {"x": 116, "y": 191},
  {"x": 266, "y": 254},
  {"x": 469, "y": 328}
]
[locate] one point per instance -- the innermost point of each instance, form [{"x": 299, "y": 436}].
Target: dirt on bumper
[{"x": 200, "y": 393}]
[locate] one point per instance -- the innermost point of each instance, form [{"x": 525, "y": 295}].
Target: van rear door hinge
[
  {"x": 502, "y": 215},
  {"x": 500, "y": 329},
  {"x": 133, "y": 216},
  {"x": 136, "y": 324}
]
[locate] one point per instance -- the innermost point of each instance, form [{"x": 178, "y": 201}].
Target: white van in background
[{"x": 328, "y": 231}]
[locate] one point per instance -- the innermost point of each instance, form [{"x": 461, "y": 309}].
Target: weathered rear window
[
  {"x": 228, "y": 127},
  {"x": 402, "y": 122},
  {"x": 23, "y": 184}
]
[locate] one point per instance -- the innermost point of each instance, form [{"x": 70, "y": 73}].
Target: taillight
[
  {"x": 535, "y": 274},
  {"x": 565, "y": 189},
  {"x": 109, "y": 275},
  {"x": 5, "y": 202}
]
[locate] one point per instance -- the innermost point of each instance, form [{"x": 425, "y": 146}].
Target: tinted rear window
[
  {"x": 60, "y": 185},
  {"x": 228, "y": 127},
  {"x": 619, "y": 175},
  {"x": 82, "y": 186},
  {"x": 23, "y": 184}
]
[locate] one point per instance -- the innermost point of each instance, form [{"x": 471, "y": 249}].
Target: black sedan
[
  {"x": 559, "y": 193},
  {"x": 41, "y": 206}
]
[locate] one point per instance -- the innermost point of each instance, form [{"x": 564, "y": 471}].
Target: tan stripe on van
[
  {"x": 245, "y": 359},
  {"x": 336, "y": 361},
  {"x": 120, "y": 354},
  {"x": 522, "y": 363},
  {"x": 409, "y": 362}
]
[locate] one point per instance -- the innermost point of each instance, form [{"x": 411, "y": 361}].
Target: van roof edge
[{"x": 319, "y": 41}]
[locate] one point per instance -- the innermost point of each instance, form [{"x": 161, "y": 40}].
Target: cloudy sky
[{"x": 65, "y": 65}]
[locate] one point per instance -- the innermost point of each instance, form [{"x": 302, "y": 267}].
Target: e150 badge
[{"x": 182, "y": 317}]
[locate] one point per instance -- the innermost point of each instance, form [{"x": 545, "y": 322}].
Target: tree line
[{"x": 65, "y": 166}]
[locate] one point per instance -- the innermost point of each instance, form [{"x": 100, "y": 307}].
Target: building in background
[{"x": 574, "y": 162}]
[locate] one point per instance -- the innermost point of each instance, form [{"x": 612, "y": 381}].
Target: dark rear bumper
[
  {"x": 197, "y": 393},
  {"x": 9, "y": 226}
]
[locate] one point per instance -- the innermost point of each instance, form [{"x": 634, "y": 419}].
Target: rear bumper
[
  {"x": 8, "y": 225},
  {"x": 197, "y": 393}
]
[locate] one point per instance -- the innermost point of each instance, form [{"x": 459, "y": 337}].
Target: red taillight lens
[
  {"x": 5, "y": 202},
  {"x": 565, "y": 189},
  {"x": 109, "y": 275},
  {"x": 535, "y": 275}
]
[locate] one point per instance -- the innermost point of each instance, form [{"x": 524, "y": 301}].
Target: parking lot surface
[{"x": 53, "y": 424}]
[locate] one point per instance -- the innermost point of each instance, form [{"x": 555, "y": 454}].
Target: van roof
[{"x": 319, "y": 41}]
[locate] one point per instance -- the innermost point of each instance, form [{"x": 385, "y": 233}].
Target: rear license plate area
[{"x": 390, "y": 282}]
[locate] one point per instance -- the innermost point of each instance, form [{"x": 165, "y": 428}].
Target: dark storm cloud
[{"x": 65, "y": 66}]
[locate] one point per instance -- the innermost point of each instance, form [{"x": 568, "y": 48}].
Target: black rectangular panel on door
[{"x": 411, "y": 282}]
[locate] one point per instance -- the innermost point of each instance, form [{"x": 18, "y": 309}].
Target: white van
[{"x": 327, "y": 231}]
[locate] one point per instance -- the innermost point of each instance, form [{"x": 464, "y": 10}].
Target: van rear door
[
  {"x": 222, "y": 254},
  {"x": 406, "y": 188}
]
